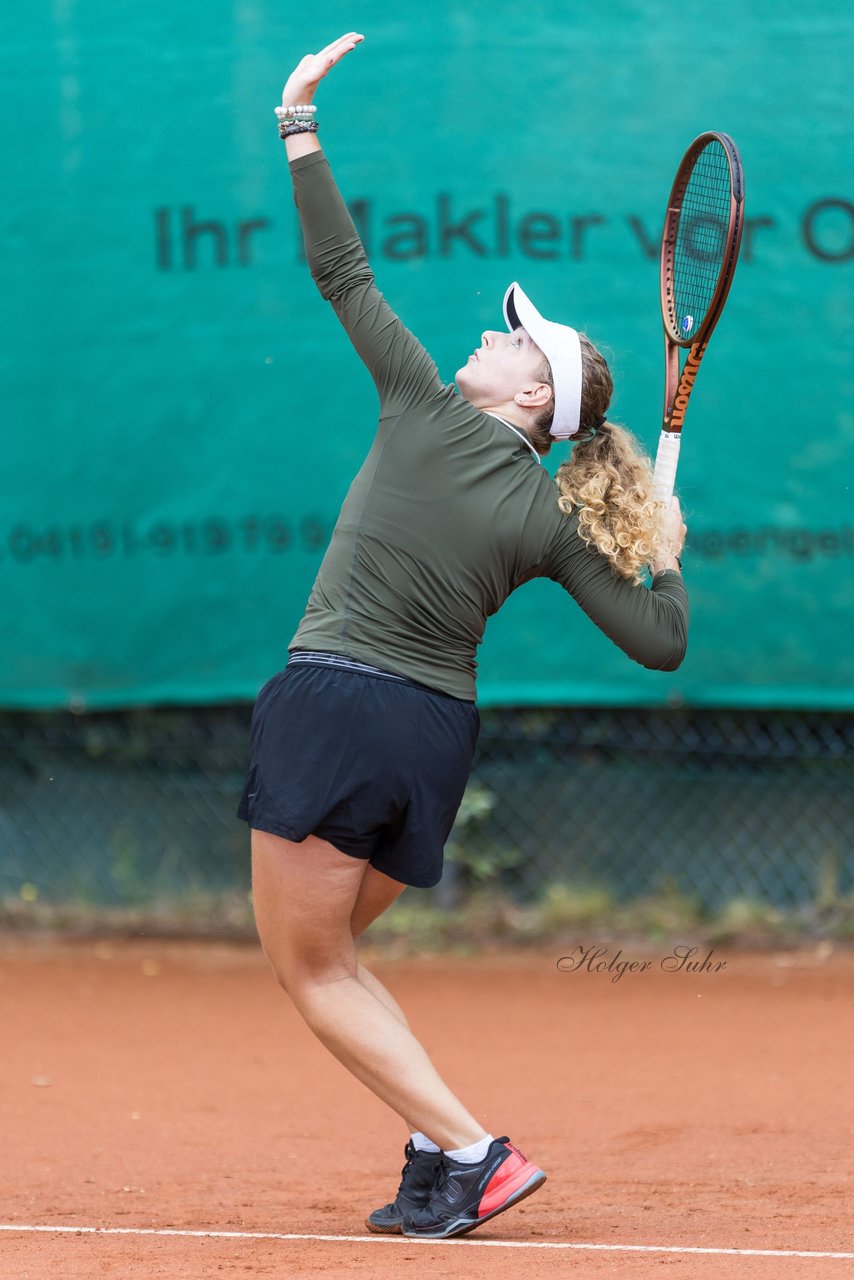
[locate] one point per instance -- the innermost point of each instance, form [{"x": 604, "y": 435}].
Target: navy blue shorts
[{"x": 372, "y": 763}]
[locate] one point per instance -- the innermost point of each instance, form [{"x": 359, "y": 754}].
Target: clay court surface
[{"x": 162, "y": 1086}]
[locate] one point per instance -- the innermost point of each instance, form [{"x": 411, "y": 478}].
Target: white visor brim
[{"x": 561, "y": 346}]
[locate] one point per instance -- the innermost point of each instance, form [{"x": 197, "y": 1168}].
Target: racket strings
[{"x": 701, "y": 238}]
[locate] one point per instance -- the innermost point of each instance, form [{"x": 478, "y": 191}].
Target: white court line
[{"x": 380, "y": 1239}]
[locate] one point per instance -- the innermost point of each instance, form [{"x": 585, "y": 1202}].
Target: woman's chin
[{"x": 464, "y": 383}]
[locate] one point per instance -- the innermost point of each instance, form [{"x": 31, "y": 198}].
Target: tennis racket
[{"x": 699, "y": 250}]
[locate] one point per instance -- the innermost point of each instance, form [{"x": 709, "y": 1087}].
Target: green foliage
[
  {"x": 415, "y": 924},
  {"x": 479, "y": 859},
  {"x": 747, "y": 917},
  {"x": 568, "y": 906},
  {"x": 477, "y": 804},
  {"x": 827, "y": 894}
]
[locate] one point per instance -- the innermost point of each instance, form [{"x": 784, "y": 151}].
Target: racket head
[{"x": 701, "y": 238}]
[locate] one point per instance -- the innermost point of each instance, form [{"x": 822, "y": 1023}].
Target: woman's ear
[{"x": 535, "y": 396}]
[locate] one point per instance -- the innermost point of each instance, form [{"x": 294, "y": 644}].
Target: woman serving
[{"x": 361, "y": 748}]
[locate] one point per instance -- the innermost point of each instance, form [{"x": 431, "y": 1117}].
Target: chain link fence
[{"x": 136, "y": 809}]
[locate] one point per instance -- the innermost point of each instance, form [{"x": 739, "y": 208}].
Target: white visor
[{"x": 561, "y": 347}]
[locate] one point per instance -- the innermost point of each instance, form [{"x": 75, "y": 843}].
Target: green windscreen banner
[{"x": 182, "y": 414}]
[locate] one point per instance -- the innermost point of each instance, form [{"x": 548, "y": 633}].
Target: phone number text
[{"x": 209, "y": 536}]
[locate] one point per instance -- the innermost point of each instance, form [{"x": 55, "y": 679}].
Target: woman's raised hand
[
  {"x": 673, "y": 526},
  {"x": 308, "y": 73},
  {"x": 672, "y": 532}
]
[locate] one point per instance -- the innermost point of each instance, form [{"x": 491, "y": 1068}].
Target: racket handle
[{"x": 666, "y": 462}]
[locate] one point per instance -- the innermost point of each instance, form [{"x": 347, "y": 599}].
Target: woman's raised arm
[{"x": 403, "y": 372}]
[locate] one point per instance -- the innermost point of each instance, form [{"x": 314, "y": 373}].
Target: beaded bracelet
[
  {"x": 296, "y": 119},
  {"x": 301, "y": 126},
  {"x": 288, "y": 115}
]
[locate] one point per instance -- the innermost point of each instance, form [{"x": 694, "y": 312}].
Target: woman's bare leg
[
  {"x": 377, "y": 892},
  {"x": 305, "y": 895}
]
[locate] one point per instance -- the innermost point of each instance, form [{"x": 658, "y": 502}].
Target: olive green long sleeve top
[{"x": 450, "y": 511}]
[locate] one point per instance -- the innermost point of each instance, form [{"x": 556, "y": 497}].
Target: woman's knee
[
  {"x": 282, "y": 970},
  {"x": 303, "y": 897},
  {"x": 300, "y": 965}
]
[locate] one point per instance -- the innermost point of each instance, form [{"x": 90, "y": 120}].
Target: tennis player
[{"x": 361, "y": 748}]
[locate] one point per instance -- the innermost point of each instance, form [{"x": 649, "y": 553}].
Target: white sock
[
  {"x": 473, "y": 1154},
  {"x": 422, "y": 1143}
]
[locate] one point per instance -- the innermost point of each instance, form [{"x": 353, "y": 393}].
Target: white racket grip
[{"x": 666, "y": 462}]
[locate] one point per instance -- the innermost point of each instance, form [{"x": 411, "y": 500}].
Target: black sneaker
[
  {"x": 416, "y": 1183},
  {"x": 465, "y": 1195}
]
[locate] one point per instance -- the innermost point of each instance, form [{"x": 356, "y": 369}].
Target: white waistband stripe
[{"x": 341, "y": 663}]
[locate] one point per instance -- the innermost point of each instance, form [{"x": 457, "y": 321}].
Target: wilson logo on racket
[{"x": 686, "y": 385}]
